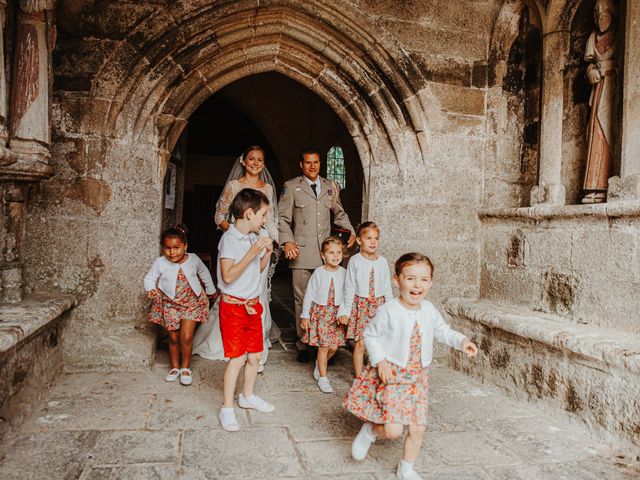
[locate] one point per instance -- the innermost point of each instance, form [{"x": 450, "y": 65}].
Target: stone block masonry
[
  {"x": 591, "y": 372},
  {"x": 128, "y": 76},
  {"x": 30, "y": 353}
]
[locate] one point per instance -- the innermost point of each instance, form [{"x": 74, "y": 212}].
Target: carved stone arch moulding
[{"x": 155, "y": 85}]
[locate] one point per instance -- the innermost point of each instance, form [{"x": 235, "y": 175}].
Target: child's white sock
[
  {"x": 368, "y": 432},
  {"x": 405, "y": 467}
]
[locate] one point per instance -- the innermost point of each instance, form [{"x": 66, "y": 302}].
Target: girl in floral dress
[
  {"x": 392, "y": 391},
  {"x": 179, "y": 301},
  {"x": 367, "y": 286},
  {"x": 319, "y": 316}
]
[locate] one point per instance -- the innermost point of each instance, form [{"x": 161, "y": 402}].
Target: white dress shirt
[
  {"x": 317, "y": 183},
  {"x": 357, "y": 281},
  {"x": 164, "y": 275},
  {"x": 234, "y": 245},
  {"x": 388, "y": 335},
  {"x": 318, "y": 289}
]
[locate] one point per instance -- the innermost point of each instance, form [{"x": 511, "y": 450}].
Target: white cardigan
[
  {"x": 357, "y": 281},
  {"x": 318, "y": 289},
  {"x": 164, "y": 275},
  {"x": 388, "y": 335}
]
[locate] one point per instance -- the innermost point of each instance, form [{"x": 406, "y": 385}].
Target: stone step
[{"x": 590, "y": 371}]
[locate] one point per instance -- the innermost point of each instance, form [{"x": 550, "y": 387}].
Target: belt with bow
[{"x": 249, "y": 303}]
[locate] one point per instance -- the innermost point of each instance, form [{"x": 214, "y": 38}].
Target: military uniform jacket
[{"x": 306, "y": 220}]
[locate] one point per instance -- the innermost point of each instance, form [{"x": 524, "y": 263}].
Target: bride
[{"x": 249, "y": 171}]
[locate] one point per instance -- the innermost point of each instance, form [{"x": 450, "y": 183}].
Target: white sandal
[
  {"x": 173, "y": 375},
  {"x": 186, "y": 379}
]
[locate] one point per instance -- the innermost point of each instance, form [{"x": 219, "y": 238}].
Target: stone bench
[
  {"x": 30, "y": 353},
  {"x": 592, "y": 372}
]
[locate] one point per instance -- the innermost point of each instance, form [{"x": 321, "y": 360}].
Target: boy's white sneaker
[
  {"x": 324, "y": 385},
  {"x": 228, "y": 420},
  {"x": 316, "y": 372},
  {"x": 256, "y": 403},
  {"x": 407, "y": 474},
  {"x": 362, "y": 442}
]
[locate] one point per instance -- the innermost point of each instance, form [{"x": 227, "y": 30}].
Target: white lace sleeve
[{"x": 224, "y": 202}]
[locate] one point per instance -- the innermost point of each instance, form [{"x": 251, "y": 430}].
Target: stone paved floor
[{"x": 136, "y": 426}]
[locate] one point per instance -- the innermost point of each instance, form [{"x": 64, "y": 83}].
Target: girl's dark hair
[
  {"x": 328, "y": 241},
  {"x": 179, "y": 231},
  {"x": 250, "y": 149},
  {"x": 364, "y": 226},
  {"x": 246, "y": 199},
  {"x": 411, "y": 259}
]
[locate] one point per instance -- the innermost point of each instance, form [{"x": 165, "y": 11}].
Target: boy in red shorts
[{"x": 241, "y": 258}]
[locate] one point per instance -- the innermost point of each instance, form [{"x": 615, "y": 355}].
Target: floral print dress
[
  {"x": 363, "y": 310},
  {"x": 186, "y": 305},
  {"x": 402, "y": 400},
  {"x": 324, "y": 329}
]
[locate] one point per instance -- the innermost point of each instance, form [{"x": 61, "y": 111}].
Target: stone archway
[
  {"x": 115, "y": 131},
  {"x": 166, "y": 78}
]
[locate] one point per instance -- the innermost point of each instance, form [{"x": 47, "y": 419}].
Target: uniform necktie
[{"x": 315, "y": 191}]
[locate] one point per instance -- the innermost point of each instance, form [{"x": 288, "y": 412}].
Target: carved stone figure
[{"x": 600, "y": 52}]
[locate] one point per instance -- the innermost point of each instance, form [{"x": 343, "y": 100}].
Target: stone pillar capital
[{"x": 35, "y": 6}]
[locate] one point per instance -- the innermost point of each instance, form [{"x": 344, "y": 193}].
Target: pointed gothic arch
[{"x": 153, "y": 82}]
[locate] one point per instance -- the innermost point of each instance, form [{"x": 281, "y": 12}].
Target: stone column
[
  {"x": 627, "y": 185},
  {"x": 550, "y": 188},
  {"x": 5, "y": 155},
  {"x": 29, "y": 122},
  {"x": 3, "y": 79},
  {"x": 27, "y": 131},
  {"x": 13, "y": 197}
]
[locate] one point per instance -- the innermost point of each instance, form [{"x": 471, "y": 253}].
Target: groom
[{"x": 304, "y": 211}]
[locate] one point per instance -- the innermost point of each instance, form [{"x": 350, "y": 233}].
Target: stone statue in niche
[{"x": 600, "y": 53}]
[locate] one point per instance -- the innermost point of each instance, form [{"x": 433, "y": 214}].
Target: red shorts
[{"x": 241, "y": 332}]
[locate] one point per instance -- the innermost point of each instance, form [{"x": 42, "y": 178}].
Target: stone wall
[
  {"x": 94, "y": 231},
  {"x": 513, "y": 108},
  {"x": 31, "y": 355},
  {"x": 580, "y": 262},
  {"x": 588, "y": 371},
  {"x": 408, "y": 83}
]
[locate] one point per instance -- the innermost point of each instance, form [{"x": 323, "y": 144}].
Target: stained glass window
[{"x": 335, "y": 166}]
